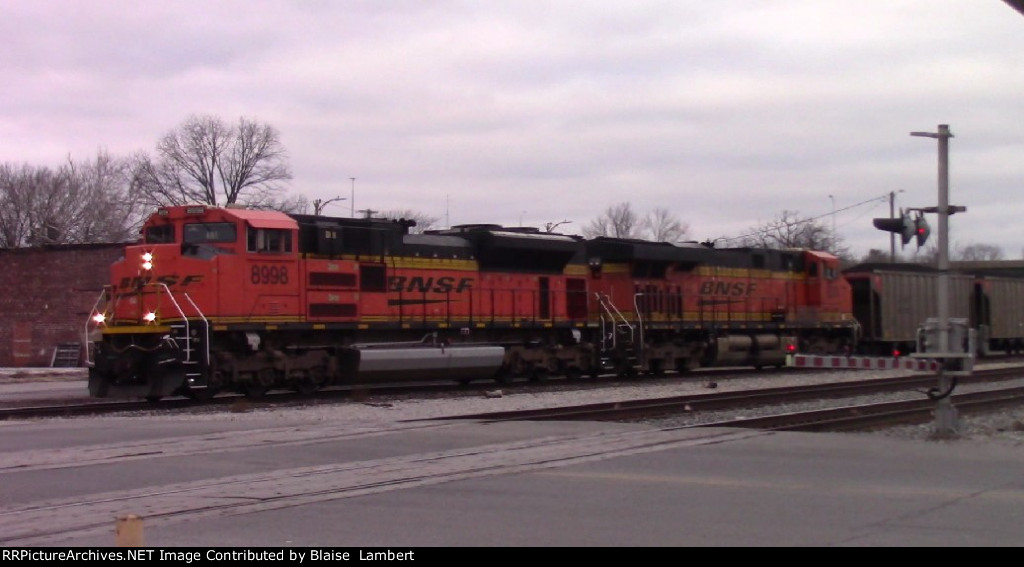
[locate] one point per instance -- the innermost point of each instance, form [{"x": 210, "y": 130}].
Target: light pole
[
  {"x": 320, "y": 204},
  {"x": 945, "y": 414},
  {"x": 352, "y": 213},
  {"x": 892, "y": 235}
]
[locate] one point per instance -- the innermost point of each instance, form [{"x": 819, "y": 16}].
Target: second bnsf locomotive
[{"x": 248, "y": 300}]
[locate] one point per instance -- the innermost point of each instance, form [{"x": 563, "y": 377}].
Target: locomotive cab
[
  {"x": 195, "y": 267},
  {"x": 827, "y": 299}
]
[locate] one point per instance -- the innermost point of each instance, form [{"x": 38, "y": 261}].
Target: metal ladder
[
  {"x": 66, "y": 355},
  {"x": 192, "y": 360},
  {"x": 626, "y": 350}
]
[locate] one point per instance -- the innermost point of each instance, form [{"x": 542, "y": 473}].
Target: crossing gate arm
[{"x": 863, "y": 363}]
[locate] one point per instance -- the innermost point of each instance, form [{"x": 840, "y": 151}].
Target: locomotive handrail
[
  {"x": 188, "y": 352},
  {"x": 95, "y": 309},
  {"x": 206, "y": 326},
  {"x": 604, "y": 334},
  {"x": 606, "y": 303},
  {"x": 88, "y": 352},
  {"x": 640, "y": 326}
]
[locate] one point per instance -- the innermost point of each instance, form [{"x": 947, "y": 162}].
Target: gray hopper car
[{"x": 891, "y": 301}]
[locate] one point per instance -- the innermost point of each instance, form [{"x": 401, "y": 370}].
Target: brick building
[{"x": 50, "y": 291}]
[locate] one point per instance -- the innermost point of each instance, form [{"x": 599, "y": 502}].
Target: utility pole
[
  {"x": 833, "y": 199},
  {"x": 892, "y": 235},
  {"x": 945, "y": 413},
  {"x": 352, "y": 213}
]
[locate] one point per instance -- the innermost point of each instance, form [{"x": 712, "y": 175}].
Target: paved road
[{"x": 319, "y": 478}]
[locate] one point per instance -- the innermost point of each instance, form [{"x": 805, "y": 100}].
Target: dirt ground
[{"x": 18, "y": 375}]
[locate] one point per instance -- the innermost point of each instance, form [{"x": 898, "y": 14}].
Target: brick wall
[{"x": 47, "y": 295}]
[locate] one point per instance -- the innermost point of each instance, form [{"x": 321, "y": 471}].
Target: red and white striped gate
[{"x": 864, "y": 362}]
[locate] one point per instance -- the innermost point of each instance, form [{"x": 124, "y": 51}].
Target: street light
[{"x": 320, "y": 204}]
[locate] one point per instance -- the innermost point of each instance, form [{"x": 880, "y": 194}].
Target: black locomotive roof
[
  {"x": 435, "y": 246},
  {"x": 517, "y": 249},
  {"x": 889, "y": 267},
  {"x": 689, "y": 254}
]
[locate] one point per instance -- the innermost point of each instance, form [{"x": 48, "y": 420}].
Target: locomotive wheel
[
  {"x": 539, "y": 374},
  {"x": 199, "y": 394},
  {"x": 504, "y": 375},
  {"x": 307, "y": 386},
  {"x": 573, "y": 373},
  {"x": 263, "y": 381},
  {"x": 254, "y": 390}
]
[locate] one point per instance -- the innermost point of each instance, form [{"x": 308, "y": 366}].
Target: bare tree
[
  {"x": 663, "y": 227},
  {"x": 424, "y": 222},
  {"x": 19, "y": 185},
  {"x": 207, "y": 161},
  {"x": 618, "y": 221},
  {"x": 875, "y": 255},
  {"x": 77, "y": 203},
  {"x": 788, "y": 230},
  {"x": 287, "y": 204},
  {"x": 980, "y": 252},
  {"x": 929, "y": 254},
  {"x": 108, "y": 211}
]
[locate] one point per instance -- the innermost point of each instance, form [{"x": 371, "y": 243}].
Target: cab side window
[
  {"x": 269, "y": 240},
  {"x": 162, "y": 234}
]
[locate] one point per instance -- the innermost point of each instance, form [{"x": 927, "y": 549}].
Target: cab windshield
[{"x": 203, "y": 232}]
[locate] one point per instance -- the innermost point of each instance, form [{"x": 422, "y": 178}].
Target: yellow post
[{"x": 128, "y": 531}]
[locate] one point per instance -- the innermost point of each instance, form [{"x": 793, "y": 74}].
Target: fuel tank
[{"x": 425, "y": 361}]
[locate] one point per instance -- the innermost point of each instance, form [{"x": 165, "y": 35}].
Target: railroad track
[
  {"x": 626, "y": 410},
  {"x": 79, "y": 407},
  {"x": 845, "y": 418},
  {"x": 872, "y": 416}
]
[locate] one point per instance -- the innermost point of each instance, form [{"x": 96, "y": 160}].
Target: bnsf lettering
[
  {"x": 420, "y": 284},
  {"x": 170, "y": 280},
  {"x": 734, "y": 289}
]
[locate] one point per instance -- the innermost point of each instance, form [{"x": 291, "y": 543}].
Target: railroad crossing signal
[
  {"x": 904, "y": 226},
  {"x": 921, "y": 229},
  {"x": 908, "y": 228}
]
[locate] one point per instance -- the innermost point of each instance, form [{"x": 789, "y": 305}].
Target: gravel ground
[{"x": 1005, "y": 426}]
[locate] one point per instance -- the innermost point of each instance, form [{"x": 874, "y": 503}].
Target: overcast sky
[{"x": 726, "y": 112}]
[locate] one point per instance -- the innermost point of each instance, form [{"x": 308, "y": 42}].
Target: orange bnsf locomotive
[{"x": 227, "y": 298}]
